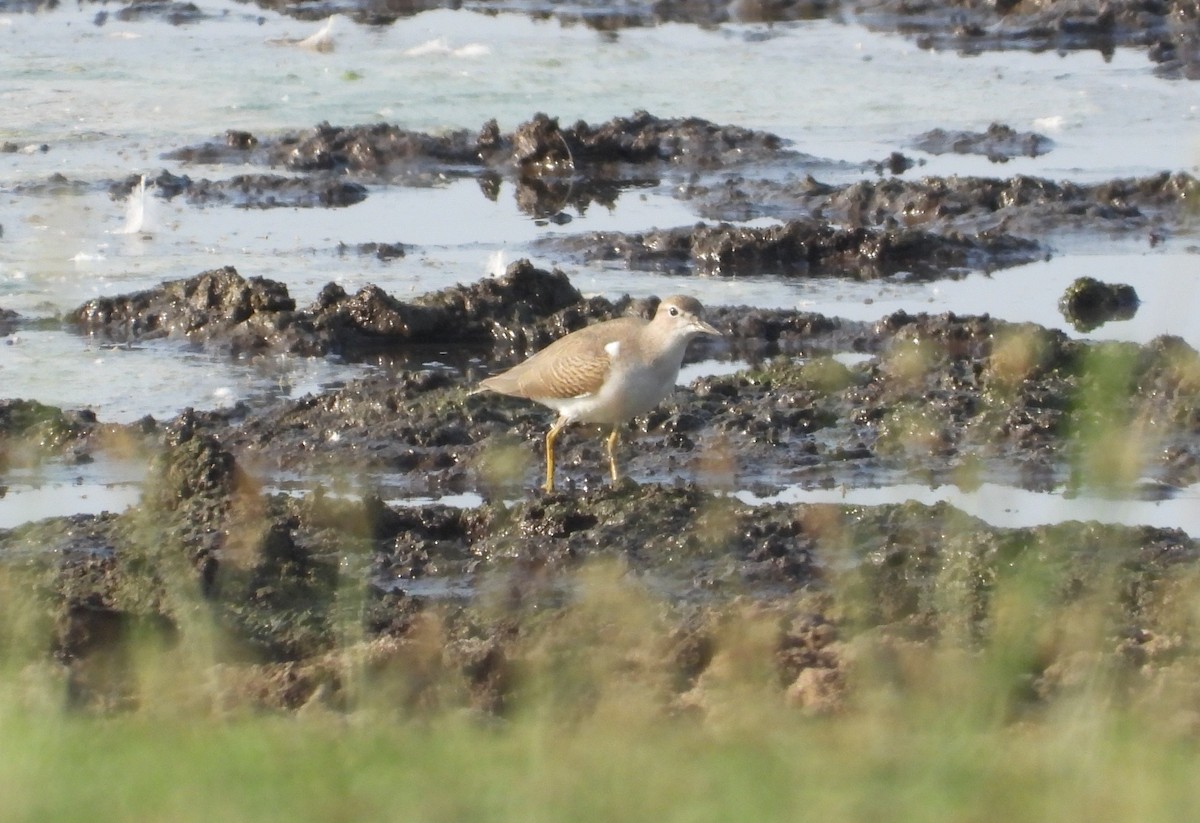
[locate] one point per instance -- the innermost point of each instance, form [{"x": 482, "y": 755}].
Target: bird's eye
[{"x": 673, "y": 311}]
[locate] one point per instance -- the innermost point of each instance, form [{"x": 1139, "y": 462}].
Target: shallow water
[
  {"x": 55, "y": 489},
  {"x": 125, "y": 383},
  {"x": 1010, "y": 507},
  {"x": 105, "y": 98},
  {"x": 1168, "y": 286}
]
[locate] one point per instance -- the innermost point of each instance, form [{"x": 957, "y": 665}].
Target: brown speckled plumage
[{"x": 606, "y": 373}]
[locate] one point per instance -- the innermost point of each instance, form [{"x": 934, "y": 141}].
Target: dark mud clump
[
  {"x": 366, "y": 150},
  {"x": 692, "y": 142},
  {"x": 999, "y": 143},
  {"x": 254, "y": 191},
  {"x": 489, "y": 312},
  {"x": 803, "y": 248},
  {"x": 1166, "y": 29},
  {"x": 328, "y": 148},
  {"x": 539, "y": 145},
  {"x": 1022, "y": 206},
  {"x": 381, "y": 251},
  {"x": 267, "y": 191},
  {"x": 31, "y": 432},
  {"x": 221, "y": 309},
  {"x": 1088, "y": 304},
  {"x": 9, "y": 320},
  {"x": 169, "y": 11},
  {"x": 246, "y": 314}
]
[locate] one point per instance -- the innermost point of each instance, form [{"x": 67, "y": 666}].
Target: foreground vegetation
[
  {"x": 944, "y": 730},
  {"x": 916, "y": 766},
  {"x": 658, "y": 653}
]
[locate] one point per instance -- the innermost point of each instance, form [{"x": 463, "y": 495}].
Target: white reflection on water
[
  {"x": 1167, "y": 283},
  {"x": 58, "y": 490},
  {"x": 122, "y": 384},
  {"x": 1009, "y": 507}
]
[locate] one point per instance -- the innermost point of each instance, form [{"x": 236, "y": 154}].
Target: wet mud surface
[
  {"x": 281, "y": 580},
  {"x": 931, "y": 398},
  {"x": 897, "y": 222},
  {"x": 817, "y": 401},
  {"x": 942, "y": 399}
]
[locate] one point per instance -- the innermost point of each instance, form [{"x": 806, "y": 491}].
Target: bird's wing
[
  {"x": 572, "y": 366},
  {"x": 567, "y": 376}
]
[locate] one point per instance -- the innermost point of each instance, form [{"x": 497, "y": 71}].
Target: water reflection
[{"x": 1007, "y": 506}]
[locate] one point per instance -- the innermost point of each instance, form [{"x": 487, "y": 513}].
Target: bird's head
[{"x": 682, "y": 316}]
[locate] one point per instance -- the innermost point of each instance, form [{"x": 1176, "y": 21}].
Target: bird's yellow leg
[
  {"x": 611, "y": 448},
  {"x": 551, "y": 438}
]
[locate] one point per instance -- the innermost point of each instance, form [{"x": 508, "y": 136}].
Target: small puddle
[
  {"x": 1010, "y": 507},
  {"x": 294, "y": 485},
  {"x": 464, "y": 500},
  {"x": 124, "y": 383},
  {"x": 434, "y": 587},
  {"x": 851, "y": 358},
  {"x": 27, "y": 495}
]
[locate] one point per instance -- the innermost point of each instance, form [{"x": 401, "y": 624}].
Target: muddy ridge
[
  {"x": 935, "y": 399},
  {"x": 222, "y": 310},
  {"x": 536, "y": 147},
  {"x": 270, "y": 571},
  {"x": 868, "y": 228},
  {"x": 801, "y": 248},
  {"x": 1022, "y": 206},
  {"x": 999, "y": 143},
  {"x": 942, "y": 399}
]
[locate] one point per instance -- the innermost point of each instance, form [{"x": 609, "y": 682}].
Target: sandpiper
[{"x": 606, "y": 373}]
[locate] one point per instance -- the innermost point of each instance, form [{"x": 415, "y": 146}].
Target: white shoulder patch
[{"x": 613, "y": 348}]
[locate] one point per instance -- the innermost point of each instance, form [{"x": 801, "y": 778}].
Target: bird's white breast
[{"x": 633, "y": 387}]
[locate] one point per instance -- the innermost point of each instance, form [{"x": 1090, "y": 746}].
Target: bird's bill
[{"x": 706, "y": 328}]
